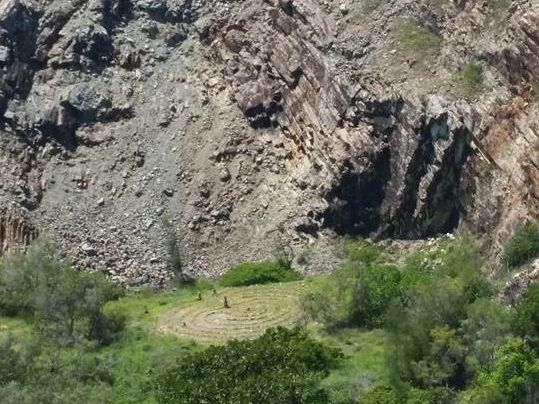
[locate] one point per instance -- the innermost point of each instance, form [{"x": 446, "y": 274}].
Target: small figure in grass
[
  {"x": 214, "y": 291},
  {"x": 199, "y": 296},
  {"x": 225, "y": 303}
]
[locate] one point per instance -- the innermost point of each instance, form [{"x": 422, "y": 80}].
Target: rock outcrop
[
  {"x": 16, "y": 230},
  {"x": 249, "y": 124}
]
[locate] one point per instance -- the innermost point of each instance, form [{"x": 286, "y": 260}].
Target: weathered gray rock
[
  {"x": 257, "y": 122},
  {"x": 16, "y": 229}
]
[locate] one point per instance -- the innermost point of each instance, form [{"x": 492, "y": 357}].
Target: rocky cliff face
[
  {"x": 252, "y": 124},
  {"x": 16, "y": 231}
]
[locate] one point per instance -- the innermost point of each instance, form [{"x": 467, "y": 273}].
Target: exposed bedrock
[
  {"x": 411, "y": 188},
  {"x": 255, "y": 123},
  {"x": 394, "y": 165},
  {"x": 16, "y": 230}
]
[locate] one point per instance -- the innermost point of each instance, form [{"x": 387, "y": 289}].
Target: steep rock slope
[{"x": 254, "y": 124}]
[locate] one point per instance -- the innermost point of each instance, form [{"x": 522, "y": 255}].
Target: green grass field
[
  {"x": 162, "y": 327},
  {"x": 194, "y": 323}
]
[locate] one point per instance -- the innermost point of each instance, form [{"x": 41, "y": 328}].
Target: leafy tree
[
  {"x": 443, "y": 364},
  {"x": 173, "y": 257},
  {"x": 320, "y": 307},
  {"x": 526, "y": 320},
  {"x": 281, "y": 366},
  {"x": 377, "y": 287},
  {"x": 21, "y": 275},
  {"x": 430, "y": 344},
  {"x": 68, "y": 305},
  {"x": 513, "y": 380},
  {"x": 338, "y": 300},
  {"x": 487, "y": 325}
]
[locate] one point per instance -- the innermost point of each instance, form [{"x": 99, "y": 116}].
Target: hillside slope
[{"x": 253, "y": 124}]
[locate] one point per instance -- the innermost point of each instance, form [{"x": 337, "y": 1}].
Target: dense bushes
[
  {"x": 513, "y": 378},
  {"x": 34, "y": 369},
  {"x": 434, "y": 329},
  {"x": 387, "y": 395},
  {"x": 526, "y": 319},
  {"x": 446, "y": 337},
  {"x": 377, "y": 287},
  {"x": 63, "y": 344},
  {"x": 357, "y": 293},
  {"x": 37, "y": 372},
  {"x": 66, "y": 304},
  {"x": 522, "y": 247},
  {"x": 282, "y": 366},
  {"x": 449, "y": 337},
  {"x": 252, "y": 273}
]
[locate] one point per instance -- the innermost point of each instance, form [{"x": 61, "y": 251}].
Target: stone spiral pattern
[{"x": 252, "y": 310}]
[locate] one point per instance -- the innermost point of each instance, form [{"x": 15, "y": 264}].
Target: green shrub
[
  {"x": 359, "y": 251},
  {"x": 105, "y": 327},
  {"x": 437, "y": 395},
  {"x": 281, "y": 366},
  {"x": 377, "y": 287},
  {"x": 526, "y": 320},
  {"x": 487, "y": 325},
  {"x": 252, "y": 273},
  {"x": 513, "y": 380},
  {"x": 173, "y": 256},
  {"x": 11, "y": 366},
  {"x": 22, "y": 274},
  {"x": 381, "y": 395},
  {"x": 322, "y": 308},
  {"x": 434, "y": 325},
  {"x": 522, "y": 247},
  {"x": 330, "y": 300},
  {"x": 66, "y": 304}
]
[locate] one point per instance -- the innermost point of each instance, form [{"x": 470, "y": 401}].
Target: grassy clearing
[
  {"x": 364, "y": 366},
  {"x": 144, "y": 307},
  {"x": 417, "y": 40},
  {"x": 151, "y": 340},
  {"x": 469, "y": 80}
]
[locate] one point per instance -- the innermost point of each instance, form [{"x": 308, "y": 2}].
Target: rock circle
[{"x": 252, "y": 310}]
